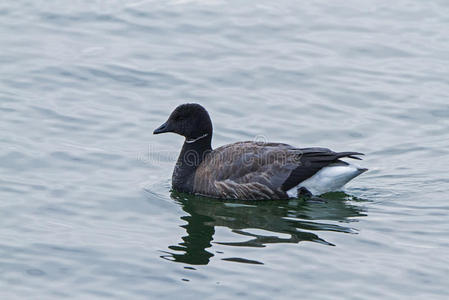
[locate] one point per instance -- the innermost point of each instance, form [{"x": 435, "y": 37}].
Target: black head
[{"x": 190, "y": 120}]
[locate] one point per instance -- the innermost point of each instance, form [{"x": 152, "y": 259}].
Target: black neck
[{"x": 191, "y": 156}]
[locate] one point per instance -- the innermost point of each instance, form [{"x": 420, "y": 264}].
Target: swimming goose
[{"x": 250, "y": 170}]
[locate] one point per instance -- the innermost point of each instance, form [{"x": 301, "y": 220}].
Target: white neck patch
[{"x": 198, "y": 138}]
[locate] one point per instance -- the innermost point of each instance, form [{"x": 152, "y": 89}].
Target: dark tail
[{"x": 352, "y": 155}]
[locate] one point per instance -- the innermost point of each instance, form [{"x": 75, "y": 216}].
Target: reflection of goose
[
  {"x": 250, "y": 170},
  {"x": 300, "y": 220}
]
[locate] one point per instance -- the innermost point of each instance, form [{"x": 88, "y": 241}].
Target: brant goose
[{"x": 250, "y": 170}]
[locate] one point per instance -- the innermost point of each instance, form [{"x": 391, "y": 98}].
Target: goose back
[{"x": 255, "y": 171}]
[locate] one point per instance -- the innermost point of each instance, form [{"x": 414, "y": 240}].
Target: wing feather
[{"x": 249, "y": 170}]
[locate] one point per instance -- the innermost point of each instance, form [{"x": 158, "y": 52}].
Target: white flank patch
[{"x": 328, "y": 179}]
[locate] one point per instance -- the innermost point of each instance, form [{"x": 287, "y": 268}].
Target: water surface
[{"x": 85, "y": 198}]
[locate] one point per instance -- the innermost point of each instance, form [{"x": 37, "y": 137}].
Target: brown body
[{"x": 246, "y": 170}]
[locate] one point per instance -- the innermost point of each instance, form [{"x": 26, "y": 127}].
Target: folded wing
[{"x": 254, "y": 171}]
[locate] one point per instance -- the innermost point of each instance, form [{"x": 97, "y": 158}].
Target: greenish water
[{"x": 85, "y": 199}]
